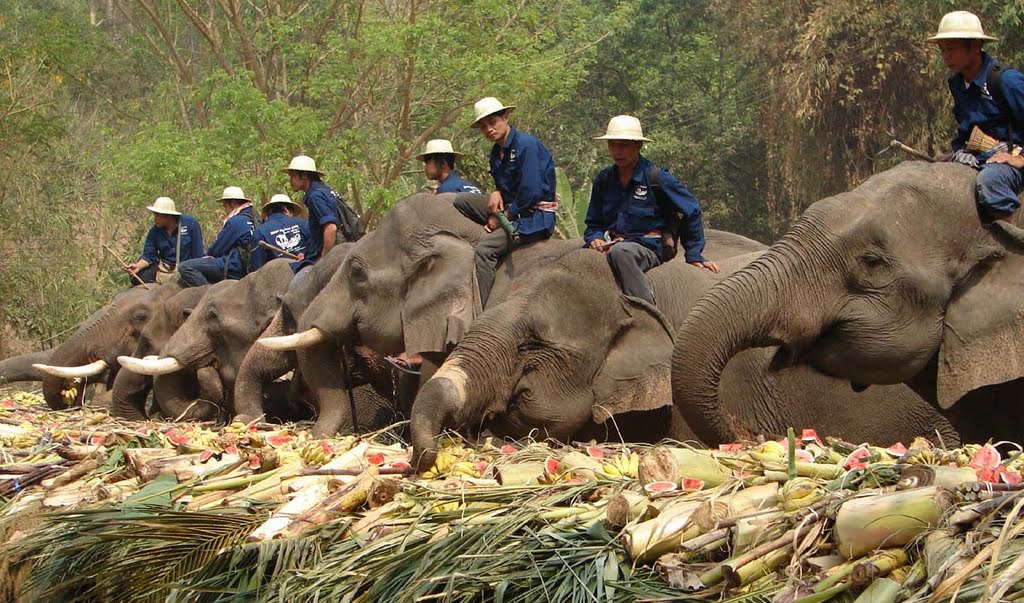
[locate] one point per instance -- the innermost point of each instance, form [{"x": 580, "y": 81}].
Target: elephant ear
[
  {"x": 440, "y": 297},
  {"x": 983, "y": 335},
  {"x": 637, "y": 372}
]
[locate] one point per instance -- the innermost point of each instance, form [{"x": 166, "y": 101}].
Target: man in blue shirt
[
  {"x": 439, "y": 164},
  {"x": 320, "y": 203},
  {"x": 173, "y": 238},
  {"x": 283, "y": 229},
  {"x": 524, "y": 176},
  {"x": 1001, "y": 169},
  {"x": 624, "y": 203},
  {"x": 224, "y": 257}
]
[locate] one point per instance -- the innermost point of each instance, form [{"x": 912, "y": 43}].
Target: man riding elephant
[
  {"x": 634, "y": 202},
  {"x": 283, "y": 230},
  {"x": 223, "y": 260},
  {"x": 173, "y": 238},
  {"x": 988, "y": 102},
  {"x": 439, "y": 164}
]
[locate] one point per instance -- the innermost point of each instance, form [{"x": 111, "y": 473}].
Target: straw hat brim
[
  {"x": 961, "y": 36},
  {"x": 623, "y": 137},
  {"x": 286, "y": 170},
  {"x": 507, "y": 109},
  {"x": 422, "y": 155},
  {"x": 157, "y": 210}
]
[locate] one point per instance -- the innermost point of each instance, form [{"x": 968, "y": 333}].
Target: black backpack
[
  {"x": 673, "y": 222},
  {"x": 349, "y": 223},
  {"x": 994, "y": 83}
]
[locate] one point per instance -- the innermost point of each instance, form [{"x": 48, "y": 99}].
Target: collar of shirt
[
  {"x": 643, "y": 165},
  {"x": 508, "y": 141},
  {"x": 240, "y": 210},
  {"x": 981, "y": 79}
]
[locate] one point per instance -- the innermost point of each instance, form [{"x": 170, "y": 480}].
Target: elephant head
[
  {"x": 221, "y": 327},
  {"x": 895, "y": 281},
  {"x": 566, "y": 352},
  {"x": 99, "y": 340}
]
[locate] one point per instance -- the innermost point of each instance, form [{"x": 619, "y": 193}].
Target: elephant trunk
[
  {"x": 743, "y": 311},
  {"x": 436, "y": 407},
  {"x": 260, "y": 367},
  {"x": 129, "y": 393},
  {"x": 21, "y": 368}
]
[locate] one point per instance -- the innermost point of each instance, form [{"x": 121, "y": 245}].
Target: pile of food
[{"x": 97, "y": 509}]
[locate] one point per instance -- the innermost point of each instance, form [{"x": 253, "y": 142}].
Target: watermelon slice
[
  {"x": 255, "y": 462},
  {"x": 896, "y": 450},
  {"x": 808, "y": 435},
  {"x": 661, "y": 487},
  {"x": 732, "y": 447},
  {"x": 400, "y": 465},
  {"x": 987, "y": 457},
  {"x": 692, "y": 485},
  {"x": 551, "y": 466},
  {"x": 231, "y": 449},
  {"x": 481, "y": 466},
  {"x": 856, "y": 459},
  {"x": 804, "y": 456},
  {"x": 97, "y": 440},
  {"x": 375, "y": 459},
  {"x": 1010, "y": 477},
  {"x": 205, "y": 455},
  {"x": 8, "y": 403},
  {"x": 595, "y": 453},
  {"x": 179, "y": 439},
  {"x": 508, "y": 449},
  {"x": 279, "y": 440}
]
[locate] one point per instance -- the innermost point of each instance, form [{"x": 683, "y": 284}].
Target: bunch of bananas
[
  {"x": 935, "y": 456},
  {"x": 316, "y": 452},
  {"x": 27, "y": 398},
  {"x": 801, "y": 492},
  {"x": 624, "y": 464},
  {"x": 20, "y": 437},
  {"x": 772, "y": 448},
  {"x": 237, "y": 428},
  {"x": 70, "y": 393}
]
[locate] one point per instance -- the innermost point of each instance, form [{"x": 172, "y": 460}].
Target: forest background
[{"x": 761, "y": 107}]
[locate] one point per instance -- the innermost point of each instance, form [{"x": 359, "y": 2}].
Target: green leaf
[{"x": 156, "y": 493}]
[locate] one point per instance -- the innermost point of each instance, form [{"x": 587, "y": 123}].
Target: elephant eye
[
  {"x": 357, "y": 273},
  {"x": 871, "y": 260}
]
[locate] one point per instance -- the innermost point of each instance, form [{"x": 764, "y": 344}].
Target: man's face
[
  {"x": 296, "y": 179},
  {"x": 624, "y": 153},
  {"x": 960, "y": 55},
  {"x": 431, "y": 169},
  {"x": 162, "y": 220},
  {"x": 494, "y": 127}
]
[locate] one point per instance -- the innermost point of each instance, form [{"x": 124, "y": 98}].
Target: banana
[
  {"x": 465, "y": 468},
  {"x": 801, "y": 492},
  {"x": 773, "y": 448}
]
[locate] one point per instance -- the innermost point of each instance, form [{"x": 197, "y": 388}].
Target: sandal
[{"x": 403, "y": 365}]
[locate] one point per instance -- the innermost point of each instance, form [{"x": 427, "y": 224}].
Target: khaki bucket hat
[
  {"x": 233, "y": 193},
  {"x": 488, "y": 106},
  {"x": 285, "y": 200},
  {"x": 624, "y": 127},
  {"x": 302, "y": 163},
  {"x": 960, "y": 25},
  {"x": 164, "y": 205},
  {"x": 438, "y": 146}
]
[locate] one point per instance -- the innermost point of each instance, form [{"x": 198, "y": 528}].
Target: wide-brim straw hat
[
  {"x": 233, "y": 193},
  {"x": 283, "y": 199},
  {"x": 488, "y": 106},
  {"x": 624, "y": 127},
  {"x": 438, "y": 146},
  {"x": 302, "y": 163},
  {"x": 164, "y": 205},
  {"x": 961, "y": 25}
]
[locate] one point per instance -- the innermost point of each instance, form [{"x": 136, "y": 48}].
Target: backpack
[
  {"x": 673, "y": 222},
  {"x": 994, "y": 83},
  {"x": 349, "y": 223}
]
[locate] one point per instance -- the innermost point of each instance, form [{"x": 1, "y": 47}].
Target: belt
[
  {"x": 654, "y": 234},
  {"x": 547, "y": 206}
]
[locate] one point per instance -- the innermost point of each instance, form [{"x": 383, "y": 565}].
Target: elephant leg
[
  {"x": 321, "y": 368},
  {"x": 129, "y": 395}
]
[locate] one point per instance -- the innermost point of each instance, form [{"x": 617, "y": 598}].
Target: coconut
[{"x": 658, "y": 465}]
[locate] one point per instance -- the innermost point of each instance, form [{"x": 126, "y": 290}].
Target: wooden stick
[
  {"x": 899, "y": 146},
  {"x": 125, "y": 266},
  {"x": 357, "y": 472},
  {"x": 266, "y": 245}
]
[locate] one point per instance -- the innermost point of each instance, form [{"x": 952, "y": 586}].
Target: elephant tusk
[
  {"x": 146, "y": 366},
  {"x": 73, "y": 372},
  {"x": 297, "y": 341}
]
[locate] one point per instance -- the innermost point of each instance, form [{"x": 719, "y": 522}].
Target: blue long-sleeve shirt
[
  {"x": 524, "y": 174},
  {"x": 456, "y": 184},
  {"x": 633, "y": 211},
  {"x": 974, "y": 106},
  {"x": 163, "y": 246},
  {"x": 232, "y": 238},
  {"x": 282, "y": 231},
  {"x": 320, "y": 204}
]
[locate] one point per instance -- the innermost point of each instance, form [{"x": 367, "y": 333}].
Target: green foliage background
[{"x": 760, "y": 107}]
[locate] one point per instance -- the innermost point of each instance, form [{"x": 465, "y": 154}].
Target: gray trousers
[{"x": 629, "y": 262}]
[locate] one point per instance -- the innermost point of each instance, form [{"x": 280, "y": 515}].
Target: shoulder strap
[
  {"x": 994, "y": 83},
  {"x": 659, "y": 192}
]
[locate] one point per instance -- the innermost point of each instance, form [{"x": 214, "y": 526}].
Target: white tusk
[
  {"x": 297, "y": 341},
  {"x": 144, "y": 366},
  {"x": 73, "y": 372}
]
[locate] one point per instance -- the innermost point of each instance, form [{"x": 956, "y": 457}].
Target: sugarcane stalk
[
  {"x": 233, "y": 483},
  {"x": 346, "y": 500},
  {"x": 880, "y": 564},
  {"x": 864, "y": 523},
  {"x": 80, "y": 452},
  {"x": 834, "y": 576},
  {"x": 733, "y": 568},
  {"x": 882, "y": 590},
  {"x": 760, "y": 566},
  {"x": 803, "y": 468},
  {"x": 78, "y": 471},
  {"x": 964, "y": 517},
  {"x": 358, "y": 472},
  {"x": 748, "y": 531}
]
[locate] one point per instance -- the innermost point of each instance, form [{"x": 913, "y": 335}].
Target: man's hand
[
  {"x": 299, "y": 257},
  {"x": 597, "y": 244},
  {"x": 1008, "y": 159},
  {"x": 492, "y": 224},
  {"x": 133, "y": 267},
  {"x": 496, "y": 203},
  {"x": 713, "y": 267},
  {"x": 942, "y": 157}
]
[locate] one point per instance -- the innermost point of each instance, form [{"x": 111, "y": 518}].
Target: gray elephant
[
  {"x": 91, "y": 352},
  {"x": 371, "y": 380},
  {"x": 219, "y": 331},
  {"x": 174, "y": 393},
  {"x": 570, "y": 352},
  {"x": 21, "y": 367},
  {"x": 896, "y": 281}
]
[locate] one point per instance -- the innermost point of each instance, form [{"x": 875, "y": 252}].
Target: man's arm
[
  {"x": 196, "y": 235},
  {"x": 149, "y": 250},
  {"x": 594, "y": 233},
  {"x": 330, "y": 237},
  {"x": 528, "y": 193},
  {"x": 692, "y": 231}
]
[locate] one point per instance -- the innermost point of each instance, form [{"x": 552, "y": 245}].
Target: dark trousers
[
  {"x": 629, "y": 262},
  {"x": 146, "y": 275},
  {"x": 201, "y": 271},
  {"x": 494, "y": 246},
  {"x": 998, "y": 186}
]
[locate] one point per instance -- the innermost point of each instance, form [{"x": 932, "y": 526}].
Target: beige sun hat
[
  {"x": 284, "y": 199},
  {"x": 960, "y": 25},
  {"x": 233, "y": 193},
  {"x": 624, "y": 127},
  {"x": 438, "y": 146},
  {"x": 302, "y": 163},
  {"x": 164, "y": 205},
  {"x": 488, "y": 106}
]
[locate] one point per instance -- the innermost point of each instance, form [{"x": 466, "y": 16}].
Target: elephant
[
  {"x": 899, "y": 280},
  {"x": 173, "y": 393},
  {"x": 371, "y": 379},
  {"x": 21, "y": 367},
  {"x": 92, "y": 350},
  {"x": 569, "y": 352},
  {"x": 219, "y": 331}
]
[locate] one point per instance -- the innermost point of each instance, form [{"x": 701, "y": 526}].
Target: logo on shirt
[
  {"x": 511, "y": 154},
  {"x": 640, "y": 191},
  {"x": 288, "y": 238}
]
